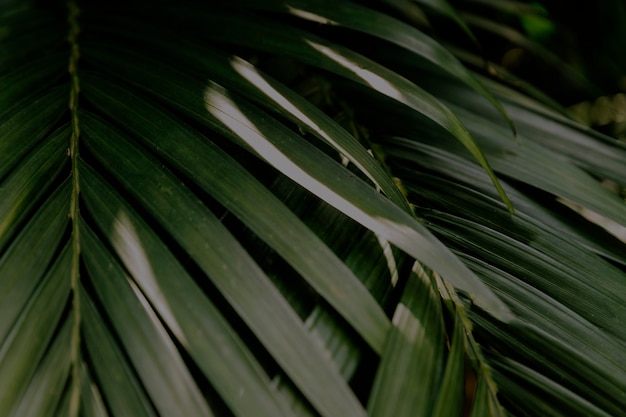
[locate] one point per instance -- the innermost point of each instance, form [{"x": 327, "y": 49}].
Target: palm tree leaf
[
  {"x": 232, "y": 249},
  {"x": 30, "y": 255},
  {"x": 161, "y": 369},
  {"x": 91, "y": 401},
  {"x": 25, "y": 345},
  {"x": 323, "y": 270},
  {"x": 367, "y": 21},
  {"x": 231, "y": 269},
  {"x": 116, "y": 377},
  {"x": 342, "y": 61},
  {"x": 26, "y": 124},
  {"x": 413, "y": 358},
  {"x": 181, "y": 304},
  {"x": 239, "y": 192},
  {"x": 450, "y": 398},
  {"x": 313, "y": 168},
  {"x": 27, "y": 182},
  {"x": 46, "y": 387}
]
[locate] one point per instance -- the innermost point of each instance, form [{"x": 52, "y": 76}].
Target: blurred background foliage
[{"x": 574, "y": 52}]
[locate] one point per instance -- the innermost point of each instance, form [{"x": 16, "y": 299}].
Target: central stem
[{"x": 74, "y": 30}]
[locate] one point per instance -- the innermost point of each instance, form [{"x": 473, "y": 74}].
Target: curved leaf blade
[
  {"x": 305, "y": 164},
  {"x": 46, "y": 387},
  {"x": 370, "y": 22},
  {"x": 193, "y": 319},
  {"x": 23, "y": 187},
  {"x": 412, "y": 363},
  {"x": 154, "y": 355},
  {"x": 29, "y": 255},
  {"x": 25, "y": 346},
  {"x": 346, "y": 63},
  {"x": 239, "y": 192},
  {"x": 231, "y": 269},
  {"x": 118, "y": 380}
]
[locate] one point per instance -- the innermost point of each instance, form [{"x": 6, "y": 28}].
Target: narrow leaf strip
[
  {"x": 412, "y": 363},
  {"x": 247, "y": 30},
  {"x": 383, "y": 26},
  {"x": 118, "y": 380},
  {"x": 321, "y": 175},
  {"x": 45, "y": 390},
  {"x": 220, "y": 175},
  {"x": 194, "y": 320},
  {"x": 21, "y": 352},
  {"x": 22, "y": 188},
  {"x": 91, "y": 401},
  {"x": 450, "y": 397},
  {"x": 30, "y": 256},
  {"x": 154, "y": 355},
  {"x": 229, "y": 267}
]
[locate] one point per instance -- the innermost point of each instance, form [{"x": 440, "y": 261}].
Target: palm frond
[{"x": 240, "y": 210}]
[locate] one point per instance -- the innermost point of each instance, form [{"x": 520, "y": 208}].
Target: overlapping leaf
[{"x": 221, "y": 260}]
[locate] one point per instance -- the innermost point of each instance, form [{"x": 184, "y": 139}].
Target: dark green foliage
[{"x": 303, "y": 208}]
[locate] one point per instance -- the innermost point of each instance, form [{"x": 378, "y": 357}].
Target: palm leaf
[{"x": 239, "y": 210}]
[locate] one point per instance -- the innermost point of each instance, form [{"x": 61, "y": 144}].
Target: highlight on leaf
[{"x": 305, "y": 208}]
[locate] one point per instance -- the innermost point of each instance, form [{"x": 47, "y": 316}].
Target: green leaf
[
  {"x": 193, "y": 319},
  {"x": 450, "y": 397},
  {"x": 26, "y": 124},
  {"x": 412, "y": 363},
  {"x": 318, "y": 173},
  {"x": 29, "y": 256},
  {"x": 231, "y": 269},
  {"x": 25, "y": 345},
  {"x": 368, "y": 21},
  {"x": 23, "y": 187},
  {"x": 117, "y": 378},
  {"x": 239, "y": 192},
  {"x": 46, "y": 387},
  {"x": 271, "y": 36},
  {"x": 154, "y": 355},
  {"x": 240, "y": 251},
  {"x": 444, "y": 8}
]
